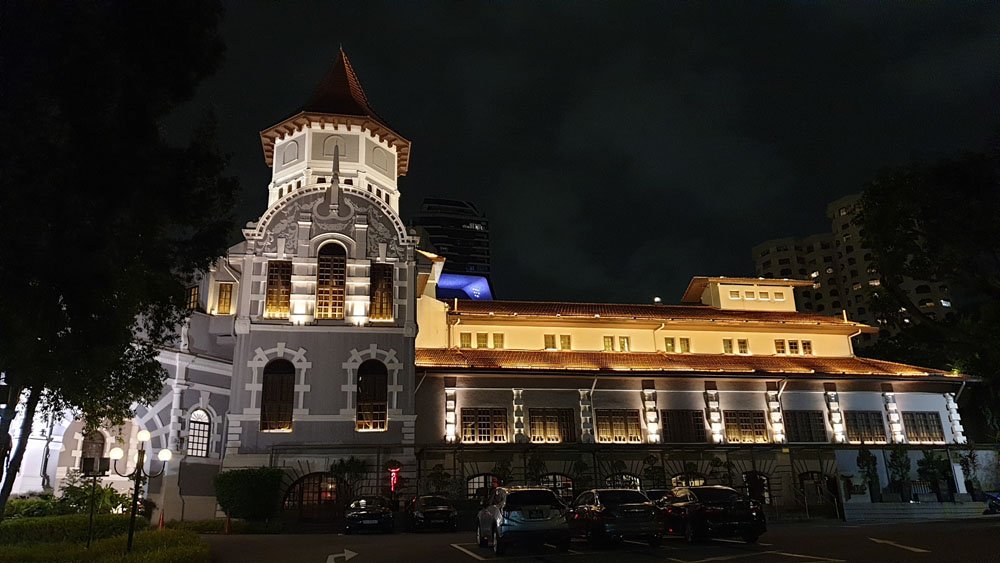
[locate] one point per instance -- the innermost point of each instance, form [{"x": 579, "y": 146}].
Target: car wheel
[
  {"x": 750, "y": 537},
  {"x": 498, "y": 546},
  {"x": 480, "y": 537}
]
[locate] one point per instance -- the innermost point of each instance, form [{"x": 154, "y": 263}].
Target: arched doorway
[
  {"x": 560, "y": 484},
  {"x": 478, "y": 487},
  {"x": 687, "y": 480},
  {"x": 313, "y": 498},
  {"x": 623, "y": 481}
]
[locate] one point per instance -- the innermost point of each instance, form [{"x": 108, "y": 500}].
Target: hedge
[
  {"x": 69, "y": 528},
  {"x": 217, "y": 526},
  {"x": 251, "y": 494},
  {"x": 151, "y": 546}
]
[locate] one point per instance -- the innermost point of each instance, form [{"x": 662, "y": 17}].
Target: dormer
[{"x": 744, "y": 294}]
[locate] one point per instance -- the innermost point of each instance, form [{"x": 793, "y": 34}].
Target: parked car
[
  {"x": 655, "y": 495},
  {"x": 522, "y": 515},
  {"x": 368, "y": 513},
  {"x": 603, "y": 515},
  {"x": 712, "y": 511},
  {"x": 432, "y": 512}
]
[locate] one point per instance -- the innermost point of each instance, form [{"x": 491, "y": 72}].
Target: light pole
[
  {"x": 93, "y": 467},
  {"x": 138, "y": 473}
]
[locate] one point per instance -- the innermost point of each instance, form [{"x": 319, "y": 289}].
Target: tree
[
  {"x": 350, "y": 472},
  {"x": 937, "y": 221},
  {"x": 252, "y": 494},
  {"x": 105, "y": 221}
]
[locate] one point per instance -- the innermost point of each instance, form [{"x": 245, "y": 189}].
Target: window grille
[
  {"x": 618, "y": 425},
  {"x": 199, "y": 431}
]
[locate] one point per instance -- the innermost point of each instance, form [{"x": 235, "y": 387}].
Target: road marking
[
  {"x": 475, "y": 556},
  {"x": 741, "y": 542},
  {"x": 810, "y": 557},
  {"x": 347, "y": 555},
  {"x": 900, "y": 546},
  {"x": 567, "y": 551}
]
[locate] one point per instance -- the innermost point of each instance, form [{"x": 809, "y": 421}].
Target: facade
[
  {"x": 843, "y": 272},
  {"x": 303, "y": 350},
  {"x": 459, "y": 232}
]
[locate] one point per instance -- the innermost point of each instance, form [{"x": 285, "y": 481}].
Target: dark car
[
  {"x": 432, "y": 512},
  {"x": 656, "y": 494},
  {"x": 603, "y": 515},
  {"x": 712, "y": 511},
  {"x": 368, "y": 513}
]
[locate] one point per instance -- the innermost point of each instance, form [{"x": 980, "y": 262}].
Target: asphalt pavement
[{"x": 804, "y": 542}]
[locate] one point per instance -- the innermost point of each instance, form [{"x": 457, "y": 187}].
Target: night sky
[{"x": 621, "y": 148}]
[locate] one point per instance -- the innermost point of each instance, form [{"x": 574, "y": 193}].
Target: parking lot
[{"x": 963, "y": 540}]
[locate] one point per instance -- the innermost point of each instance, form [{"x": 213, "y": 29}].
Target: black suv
[{"x": 712, "y": 511}]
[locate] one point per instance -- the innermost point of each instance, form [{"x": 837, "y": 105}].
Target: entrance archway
[{"x": 313, "y": 498}]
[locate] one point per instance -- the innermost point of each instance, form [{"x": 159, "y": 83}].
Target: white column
[
  {"x": 957, "y": 431},
  {"x": 586, "y": 417}
]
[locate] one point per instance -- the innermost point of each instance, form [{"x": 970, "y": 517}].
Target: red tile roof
[
  {"x": 489, "y": 359},
  {"x": 340, "y": 92},
  {"x": 657, "y": 313}
]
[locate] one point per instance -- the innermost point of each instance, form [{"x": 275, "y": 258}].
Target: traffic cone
[{"x": 160, "y": 526}]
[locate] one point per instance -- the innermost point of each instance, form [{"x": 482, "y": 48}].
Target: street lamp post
[
  {"x": 95, "y": 468},
  {"x": 138, "y": 473}
]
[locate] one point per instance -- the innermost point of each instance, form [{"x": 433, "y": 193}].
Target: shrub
[
  {"x": 69, "y": 528},
  {"x": 76, "y": 495},
  {"x": 42, "y": 505},
  {"x": 252, "y": 494},
  {"x": 217, "y": 526}
]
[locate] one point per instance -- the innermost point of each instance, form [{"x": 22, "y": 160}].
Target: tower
[{"x": 325, "y": 320}]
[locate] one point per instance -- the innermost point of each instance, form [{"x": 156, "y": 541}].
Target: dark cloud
[{"x": 620, "y": 148}]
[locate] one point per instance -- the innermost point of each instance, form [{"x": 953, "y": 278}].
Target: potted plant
[
  {"x": 868, "y": 469},
  {"x": 969, "y": 462},
  {"x": 935, "y": 470},
  {"x": 899, "y": 466}
]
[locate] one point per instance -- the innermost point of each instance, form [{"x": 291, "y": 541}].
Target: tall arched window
[
  {"x": 480, "y": 486},
  {"x": 623, "y": 481},
  {"x": 381, "y": 292},
  {"x": 331, "y": 279},
  {"x": 199, "y": 432},
  {"x": 373, "y": 395},
  {"x": 279, "y": 289},
  {"x": 277, "y": 395}
]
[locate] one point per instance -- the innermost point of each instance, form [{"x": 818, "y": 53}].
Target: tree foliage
[
  {"x": 251, "y": 494},
  {"x": 938, "y": 221},
  {"x": 104, "y": 221}
]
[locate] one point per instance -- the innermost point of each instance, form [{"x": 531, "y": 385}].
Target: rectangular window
[
  {"x": 624, "y": 343},
  {"x": 482, "y": 340},
  {"x": 483, "y": 426},
  {"x": 764, "y": 296},
  {"x": 224, "y": 306},
  {"x": 550, "y": 342},
  {"x": 793, "y": 346},
  {"x": 807, "y": 347},
  {"x": 685, "y": 345},
  {"x": 727, "y": 345},
  {"x": 923, "y": 427},
  {"x": 372, "y": 405},
  {"x": 380, "y": 308},
  {"x": 198, "y": 436},
  {"x": 565, "y": 343},
  {"x": 609, "y": 343},
  {"x": 552, "y": 425},
  {"x": 734, "y": 294},
  {"x": 683, "y": 426},
  {"x": 750, "y": 295},
  {"x": 498, "y": 340},
  {"x": 279, "y": 289},
  {"x": 618, "y": 425},
  {"x": 779, "y": 296},
  {"x": 745, "y": 427},
  {"x": 331, "y": 282},
  {"x": 465, "y": 340},
  {"x": 192, "y": 298},
  {"x": 865, "y": 426},
  {"x": 743, "y": 345},
  {"x": 669, "y": 344},
  {"x": 779, "y": 346},
  {"x": 805, "y": 426}
]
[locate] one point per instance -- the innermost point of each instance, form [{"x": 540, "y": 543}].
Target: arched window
[
  {"x": 331, "y": 279},
  {"x": 334, "y": 143},
  {"x": 279, "y": 289},
  {"x": 199, "y": 432},
  {"x": 277, "y": 394},
  {"x": 380, "y": 159},
  {"x": 758, "y": 486},
  {"x": 479, "y": 486},
  {"x": 313, "y": 497},
  {"x": 623, "y": 481},
  {"x": 561, "y": 485},
  {"x": 381, "y": 292},
  {"x": 373, "y": 396},
  {"x": 290, "y": 153},
  {"x": 91, "y": 451}
]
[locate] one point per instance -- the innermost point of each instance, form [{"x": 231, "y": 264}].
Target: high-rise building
[
  {"x": 843, "y": 272},
  {"x": 458, "y": 231}
]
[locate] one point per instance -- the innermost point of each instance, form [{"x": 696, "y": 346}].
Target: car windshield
[
  {"x": 614, "y": 498},
  {"x": 367, "y": 502},
  {"x": 433, "y": 502},
  {"x": 517, "y": 499},
  {"x": 717, "y": 495},
  {"x": 657, "y": 494}
]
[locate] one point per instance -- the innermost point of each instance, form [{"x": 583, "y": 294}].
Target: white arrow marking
[
  {"x": 347, "y": 555},
  {"x": 900, "y": 546}
]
